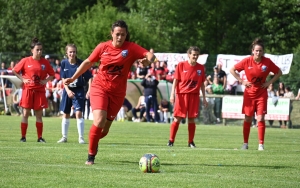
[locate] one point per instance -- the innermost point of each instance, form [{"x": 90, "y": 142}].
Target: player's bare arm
[
  {"x": 173, "y": 91},
  {"x": 25, "y": 81},
  {"x": 85, "y": 65},
  {"x": 149, "y": 58},
  {"x": 44, "y": 82},
  {"x": 70, "y": 93},
  {"x": 89, "y": 89},
  {"x": 205, "y": 104},
  {"x": 237, "y": 76},
  {"x": 275, "y": 77}
]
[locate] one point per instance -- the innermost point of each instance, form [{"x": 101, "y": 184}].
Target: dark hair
[
  {"x": 122, "y": 24},
  {"x": 283, "y": 87},
  {"x": 288, "y": 88},
  {"x": 35, "y": 42},
  {"x": 193, "y": 48},
  {"x": 258, "y": 42}
]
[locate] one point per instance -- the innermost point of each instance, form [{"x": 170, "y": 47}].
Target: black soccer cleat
[
  {"x": 90, "y": 160},
  {"x": 41, "y": 140},
  {"x": 192, "y": 144},
  {"x": 23, "y": 139},
  {"x": 170, "y": 144}
]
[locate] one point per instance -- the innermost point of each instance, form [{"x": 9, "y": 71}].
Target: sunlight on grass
[{"x": 216, "y": 162}]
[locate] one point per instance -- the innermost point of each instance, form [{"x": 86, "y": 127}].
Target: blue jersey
[{"x": 68, "y": 70}]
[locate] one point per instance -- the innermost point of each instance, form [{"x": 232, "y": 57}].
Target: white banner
[
  {"x": 174, "y": 58},
  {"x": 232, "y": 108}
]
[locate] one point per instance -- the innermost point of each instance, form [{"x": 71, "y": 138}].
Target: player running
[
  {"x": 257, "y": 68},
  {"x": 108, "y": 88}
]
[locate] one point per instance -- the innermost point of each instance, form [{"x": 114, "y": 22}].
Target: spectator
[
  {"x": 208, "y": 112},
  {"x": 288, "y": 94},
  {"x": 272, "y": 94},
  {"x": 164, "y": 110},
  {"x": 159, "y": 72},
  {"x": 280, "y": 93},
  {"x": 281, "y": 90},
  {"x": 126, "y": 107},
  {"x": 218, "y": 89},
  {"x": 298, "y": 95},
  {"x": 141, "y": 71},
  {"x": 16, "y": 100},
  {"x": 150, "y": 89},
  {"x": 140, "y": 107}
]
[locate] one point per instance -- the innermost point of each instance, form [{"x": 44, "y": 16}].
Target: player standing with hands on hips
[
  {"x": 188, "y": 80},
  {"x": 73, "y": 94},
  {"x": 257, "y": 68},
  {"x": 108, "y": 88},
  {"x": 36, "y": 72}
]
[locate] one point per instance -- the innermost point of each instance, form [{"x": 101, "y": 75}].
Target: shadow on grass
[{"x": 209, "y": 165}]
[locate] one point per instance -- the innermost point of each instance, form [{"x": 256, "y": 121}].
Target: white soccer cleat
[
  {"x": 81, "y": 140},
  {"x": 62, "y": 140},
  {"x": 261, "y": 147},
  {"x": 245, "y": 146}
]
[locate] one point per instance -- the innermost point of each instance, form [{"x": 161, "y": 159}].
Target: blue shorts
[{"x": 77, "y": 102}]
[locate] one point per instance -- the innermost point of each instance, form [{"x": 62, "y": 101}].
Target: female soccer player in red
[
  {"x": 34, "y": 71},
  {"x": 188, "y": 80},
  {"x": 257, "y": 68},
  {"x": 108, "y": 88}
]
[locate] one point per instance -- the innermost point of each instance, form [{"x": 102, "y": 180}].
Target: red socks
[
  {"x": 24, "y": 129},
  {"x": 261, "y": 131},
  {"x": 39, "y": 129},
  {"x": 94, "y": 136},
  {"x": 173, "y": 130},
  {"x": 246, "y": 131},
  {"x": 103, "y": 135},
  {"x": 192, "y": 130}
]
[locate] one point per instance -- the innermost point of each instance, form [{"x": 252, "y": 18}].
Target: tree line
[{"x": 216, "y": 26}]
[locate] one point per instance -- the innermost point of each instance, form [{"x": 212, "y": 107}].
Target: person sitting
[
  {"x": 140, "y": 107},
  {"x": 164, "y": 110},
  {"x": 126, "y": 107}
]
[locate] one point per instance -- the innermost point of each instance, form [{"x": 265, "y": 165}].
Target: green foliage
[{"x": 216, "y": 162}]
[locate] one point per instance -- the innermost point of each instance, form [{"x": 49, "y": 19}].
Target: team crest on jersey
[
  {"x": 43, "y": 67},
  {"x": 124, "y": 53},
  {"x": 263, "y": 68},
  {"x": 198, "y": 72}
]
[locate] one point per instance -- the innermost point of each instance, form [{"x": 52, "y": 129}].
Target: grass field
[{"x": 216, "y": 162}]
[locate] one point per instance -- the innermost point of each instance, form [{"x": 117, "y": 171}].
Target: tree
[{"x": 94, "y": 26}]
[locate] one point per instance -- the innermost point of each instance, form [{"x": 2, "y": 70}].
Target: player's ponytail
[
  {"x": 259, "y": 42},
  {"x": 35, "y": 41}
]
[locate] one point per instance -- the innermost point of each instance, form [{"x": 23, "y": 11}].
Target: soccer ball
[{"x": 149, "y": 163}]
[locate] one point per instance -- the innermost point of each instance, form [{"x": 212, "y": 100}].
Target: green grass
[{"x": 216, "y": 162}]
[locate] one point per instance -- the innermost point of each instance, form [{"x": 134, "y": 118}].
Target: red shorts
[
  {"x": 250, "y": 106},
  {"x": 32, "y": 99},
  {"x": 101, "y": 100},
  {"x": 187, "y": 104}
]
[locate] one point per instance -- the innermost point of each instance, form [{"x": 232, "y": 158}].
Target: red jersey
[
  {"x": 190, "y": 78},
  {"x": 115, "y": 65},
  {"x": 35, "y": 70},
  {"x": 256, "y": 73}
]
